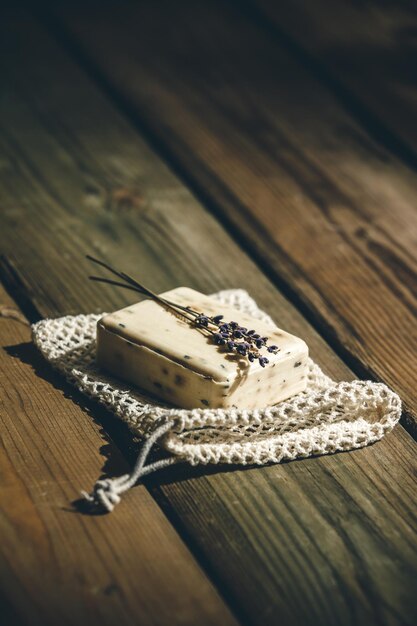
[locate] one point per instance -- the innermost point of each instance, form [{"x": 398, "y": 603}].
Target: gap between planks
[
  {"x": 257, "y": 528},
  {"x": 370, "y": 70},
  {"x": 57, "y": 565},
  {"x": 209, "y": 178}
]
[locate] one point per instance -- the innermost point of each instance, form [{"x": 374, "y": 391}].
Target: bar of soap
[{"x": 150, "y": 347}]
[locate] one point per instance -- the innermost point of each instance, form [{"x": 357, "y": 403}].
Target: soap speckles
[
  {"x": 164, "y": 388},
  {"x": 178, "y": 377}
]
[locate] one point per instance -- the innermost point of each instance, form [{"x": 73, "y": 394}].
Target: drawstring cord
[{"x": 107, "y": 491}]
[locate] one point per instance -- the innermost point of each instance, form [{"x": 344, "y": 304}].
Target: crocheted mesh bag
[{"x": 328, "y": 417}]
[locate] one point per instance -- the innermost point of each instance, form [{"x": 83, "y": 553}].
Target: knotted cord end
[
  {"x": 107, "y": 491},
  {"x": 104, "y": 495}
]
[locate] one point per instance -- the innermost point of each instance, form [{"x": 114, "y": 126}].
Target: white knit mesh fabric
[{"x": 328, "y": 417}]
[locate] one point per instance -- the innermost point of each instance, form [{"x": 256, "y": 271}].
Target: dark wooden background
[{"x": 265, "y": 145}]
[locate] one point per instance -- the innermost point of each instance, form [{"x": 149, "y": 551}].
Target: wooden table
[{"x": 268, "y": 146}]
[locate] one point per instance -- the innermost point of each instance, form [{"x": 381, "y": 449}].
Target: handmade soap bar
[{"x": 154, "y": 349}]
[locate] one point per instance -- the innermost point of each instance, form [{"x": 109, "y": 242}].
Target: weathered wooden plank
[
  {"x": 57, "y": 566},
  {"x": 326, "y": 209},
  {"x": 369, "y": 50},
  {"x": 270, "y": 536}
]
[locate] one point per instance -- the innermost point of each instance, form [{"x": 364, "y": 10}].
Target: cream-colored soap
[{"x": 147, "y": 345}]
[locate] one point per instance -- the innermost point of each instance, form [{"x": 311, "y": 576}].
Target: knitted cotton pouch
[{"x": 328, "y": 417}]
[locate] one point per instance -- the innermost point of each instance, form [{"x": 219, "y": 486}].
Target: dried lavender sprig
[
  {"x": 108, "y": 281},
  {"x": 140, "y": 288},
  {"x": 167, "y": 303},
  {"x": 248, "y": 342},
  {"x": 135, "y": 286}
]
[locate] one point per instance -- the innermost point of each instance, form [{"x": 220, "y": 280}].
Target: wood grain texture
[
  {"x": 326, "y": 209},
  {"x": 367, "y": 48},
  {"x": 57, "y": 565},
  {"x": 328, "y": 540}
]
